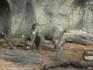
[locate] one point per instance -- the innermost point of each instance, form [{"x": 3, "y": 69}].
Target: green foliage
[
  {"x": 19, "y": 33},
  {"x": 15, "y": 35},
  {"x": 66, "y": 29}
]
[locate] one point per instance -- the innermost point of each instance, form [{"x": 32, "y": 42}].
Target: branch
[
  {"x": 3, "y": 36},
  {"x": 75, "y": 64}
]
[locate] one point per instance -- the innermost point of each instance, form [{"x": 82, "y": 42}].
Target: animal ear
[{"x": 33, "y": 27}]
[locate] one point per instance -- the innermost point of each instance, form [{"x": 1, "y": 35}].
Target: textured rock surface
[
  {"x": 23, "y": 15},
  {"x": 74, "y": 14},
  {"x": 5, "y": 17},
  {"x": 70, "y": 14}
]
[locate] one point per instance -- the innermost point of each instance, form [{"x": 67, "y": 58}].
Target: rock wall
[
  {"x": 5, "y": 17},
  {"x": 71, "y": 14},
  {"x": 23, "y": 16}
]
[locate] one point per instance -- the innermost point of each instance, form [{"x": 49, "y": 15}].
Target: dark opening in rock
[{"x": 5, "y": 17}]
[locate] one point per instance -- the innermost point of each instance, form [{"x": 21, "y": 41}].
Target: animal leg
[
  {"x": 39, "y": 43},
  {"x": 55, "y": 42}
]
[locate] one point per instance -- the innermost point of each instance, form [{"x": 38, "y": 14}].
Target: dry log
[
  {"x": 85, "y": 39},
  {"x": 3, "y": 36},
  {"x": 20, "y": 56},
  {"x": 75, "y": 64}
]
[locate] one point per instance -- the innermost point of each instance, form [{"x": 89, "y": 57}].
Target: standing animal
[{"x": 41, "y": 32}]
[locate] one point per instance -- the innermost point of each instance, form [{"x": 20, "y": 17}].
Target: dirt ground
[{"x": 71, "y": 51}]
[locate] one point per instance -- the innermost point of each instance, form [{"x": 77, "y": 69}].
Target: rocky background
[
  {"x": 70, "y": 14},
  {"x": 23, "y": 16}
]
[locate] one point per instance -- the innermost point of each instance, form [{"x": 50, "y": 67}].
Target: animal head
[{"x": 30, "y": 38}]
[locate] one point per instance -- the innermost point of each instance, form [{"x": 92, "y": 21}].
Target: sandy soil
[{"x": 71, "y": 51}]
